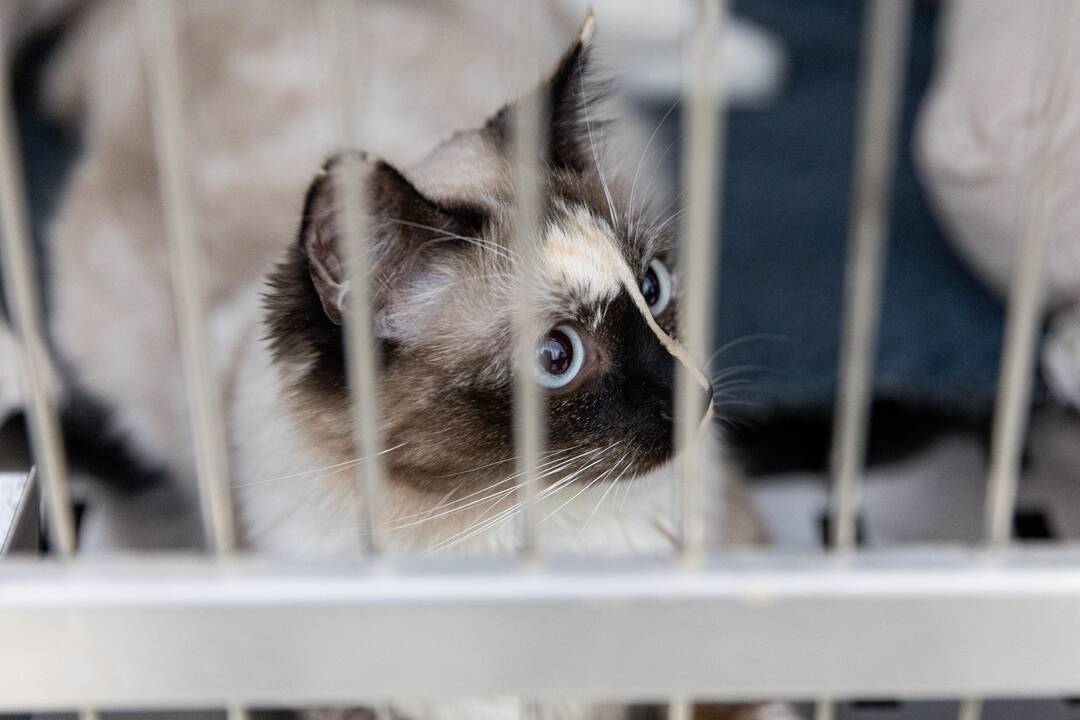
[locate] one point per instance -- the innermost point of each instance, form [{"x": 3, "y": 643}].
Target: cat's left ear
[
  {"x": 406, "y": 233},
  {"x": 569, "y": 95}
]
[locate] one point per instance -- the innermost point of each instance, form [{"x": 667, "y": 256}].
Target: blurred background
[{"x": 787, "y": 184}]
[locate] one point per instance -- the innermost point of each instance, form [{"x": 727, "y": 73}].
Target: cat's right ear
[
  {"x": 567, "y": 95},
  {"x": 404, "y": 230}
]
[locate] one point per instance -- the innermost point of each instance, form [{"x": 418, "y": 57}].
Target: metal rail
[{"x": 199, "y": 633}]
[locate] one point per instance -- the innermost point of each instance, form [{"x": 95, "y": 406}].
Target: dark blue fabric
[
  {"x": 48, "y": 154},
  {"x": 788, "y": 182}
]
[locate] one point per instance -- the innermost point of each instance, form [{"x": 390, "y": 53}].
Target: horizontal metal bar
[{"x": 197, "y": 632}]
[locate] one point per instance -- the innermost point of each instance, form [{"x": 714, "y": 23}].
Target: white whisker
[
  {"x": 611, "y": 486},
  {"x": 451, "y": 509},
  {"x": 336, "y": 468},
  {"x": 732, "y": 344},
  {"x": 443, "y": 234},
  {"x": 559, "y": 464},
  {"x": 505, "y": 515},
  {"x": 641, "y": 162}
]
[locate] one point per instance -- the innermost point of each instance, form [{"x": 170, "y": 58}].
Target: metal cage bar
[
  {"x": 1025, "y": 304},
  {"x": 884, "y": 57},
  {"x": 702, "y": 166},
  {"x": 702, "y": 183},
  {"x": 158, "y": 27},
  {"x": 160, "y": 36},
  {"x": 349, "y": 41},
  {"x": 528, "y": 140},
  {"x": 23, "y": 296}
]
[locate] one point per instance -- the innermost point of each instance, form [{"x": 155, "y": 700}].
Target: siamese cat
[
  {"x": 606, "y": 284},
  {"x": 443, "y": 271},
  {"x": 440, "y": 200}
]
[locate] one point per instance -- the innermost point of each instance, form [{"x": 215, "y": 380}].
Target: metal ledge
[{"x": 193, "y": 633}]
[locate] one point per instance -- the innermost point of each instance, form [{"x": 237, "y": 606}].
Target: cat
[
  {"x": 441, "y": 268},
  {"x": 441, "y": 262}
]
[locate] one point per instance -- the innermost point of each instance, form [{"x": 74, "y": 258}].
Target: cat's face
[{"x": 444, "y": 278}]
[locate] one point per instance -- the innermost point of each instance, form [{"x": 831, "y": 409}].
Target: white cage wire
[{"x": 234, "y": 631}]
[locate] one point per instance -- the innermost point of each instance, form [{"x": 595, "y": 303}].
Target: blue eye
[
  {"x": 656, "y": 287},
  {"x": 559, "y": 357}
]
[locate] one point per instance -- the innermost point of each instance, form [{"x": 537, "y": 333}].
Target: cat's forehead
[{"x": 582, "y": 258}]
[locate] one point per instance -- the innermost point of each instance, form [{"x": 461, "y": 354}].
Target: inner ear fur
[{"x": 404, "y": 228}]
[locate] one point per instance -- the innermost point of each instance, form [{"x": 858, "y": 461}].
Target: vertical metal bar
[
  {"x": 528, "y": 141},
  {"x": 1026, "y": 296},
  {"x": 157, "y": 22},
  {"x": 702, "y": 167},
  {"x": 20, "y": 286},
  {"x": 23, "y": 295},
  {"x": 160, "y": 36},
  {"x": 680, "y": 709},
  {"x": 970, "y": 709},
  {"x": 529, "y": 138},
  {"x": 350, "y": 46},
  {"x": 884, "y": 56},
  {"x": 1026, "y": 292},
  {"x": 702, "y": 182},
  {"x": 352, "y": 50},
  {"x": 824, "y": 710},
  {"x": 886, "y": 30}
]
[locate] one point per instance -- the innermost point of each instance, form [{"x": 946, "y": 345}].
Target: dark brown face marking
[{"x": 441, "y": 274}]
